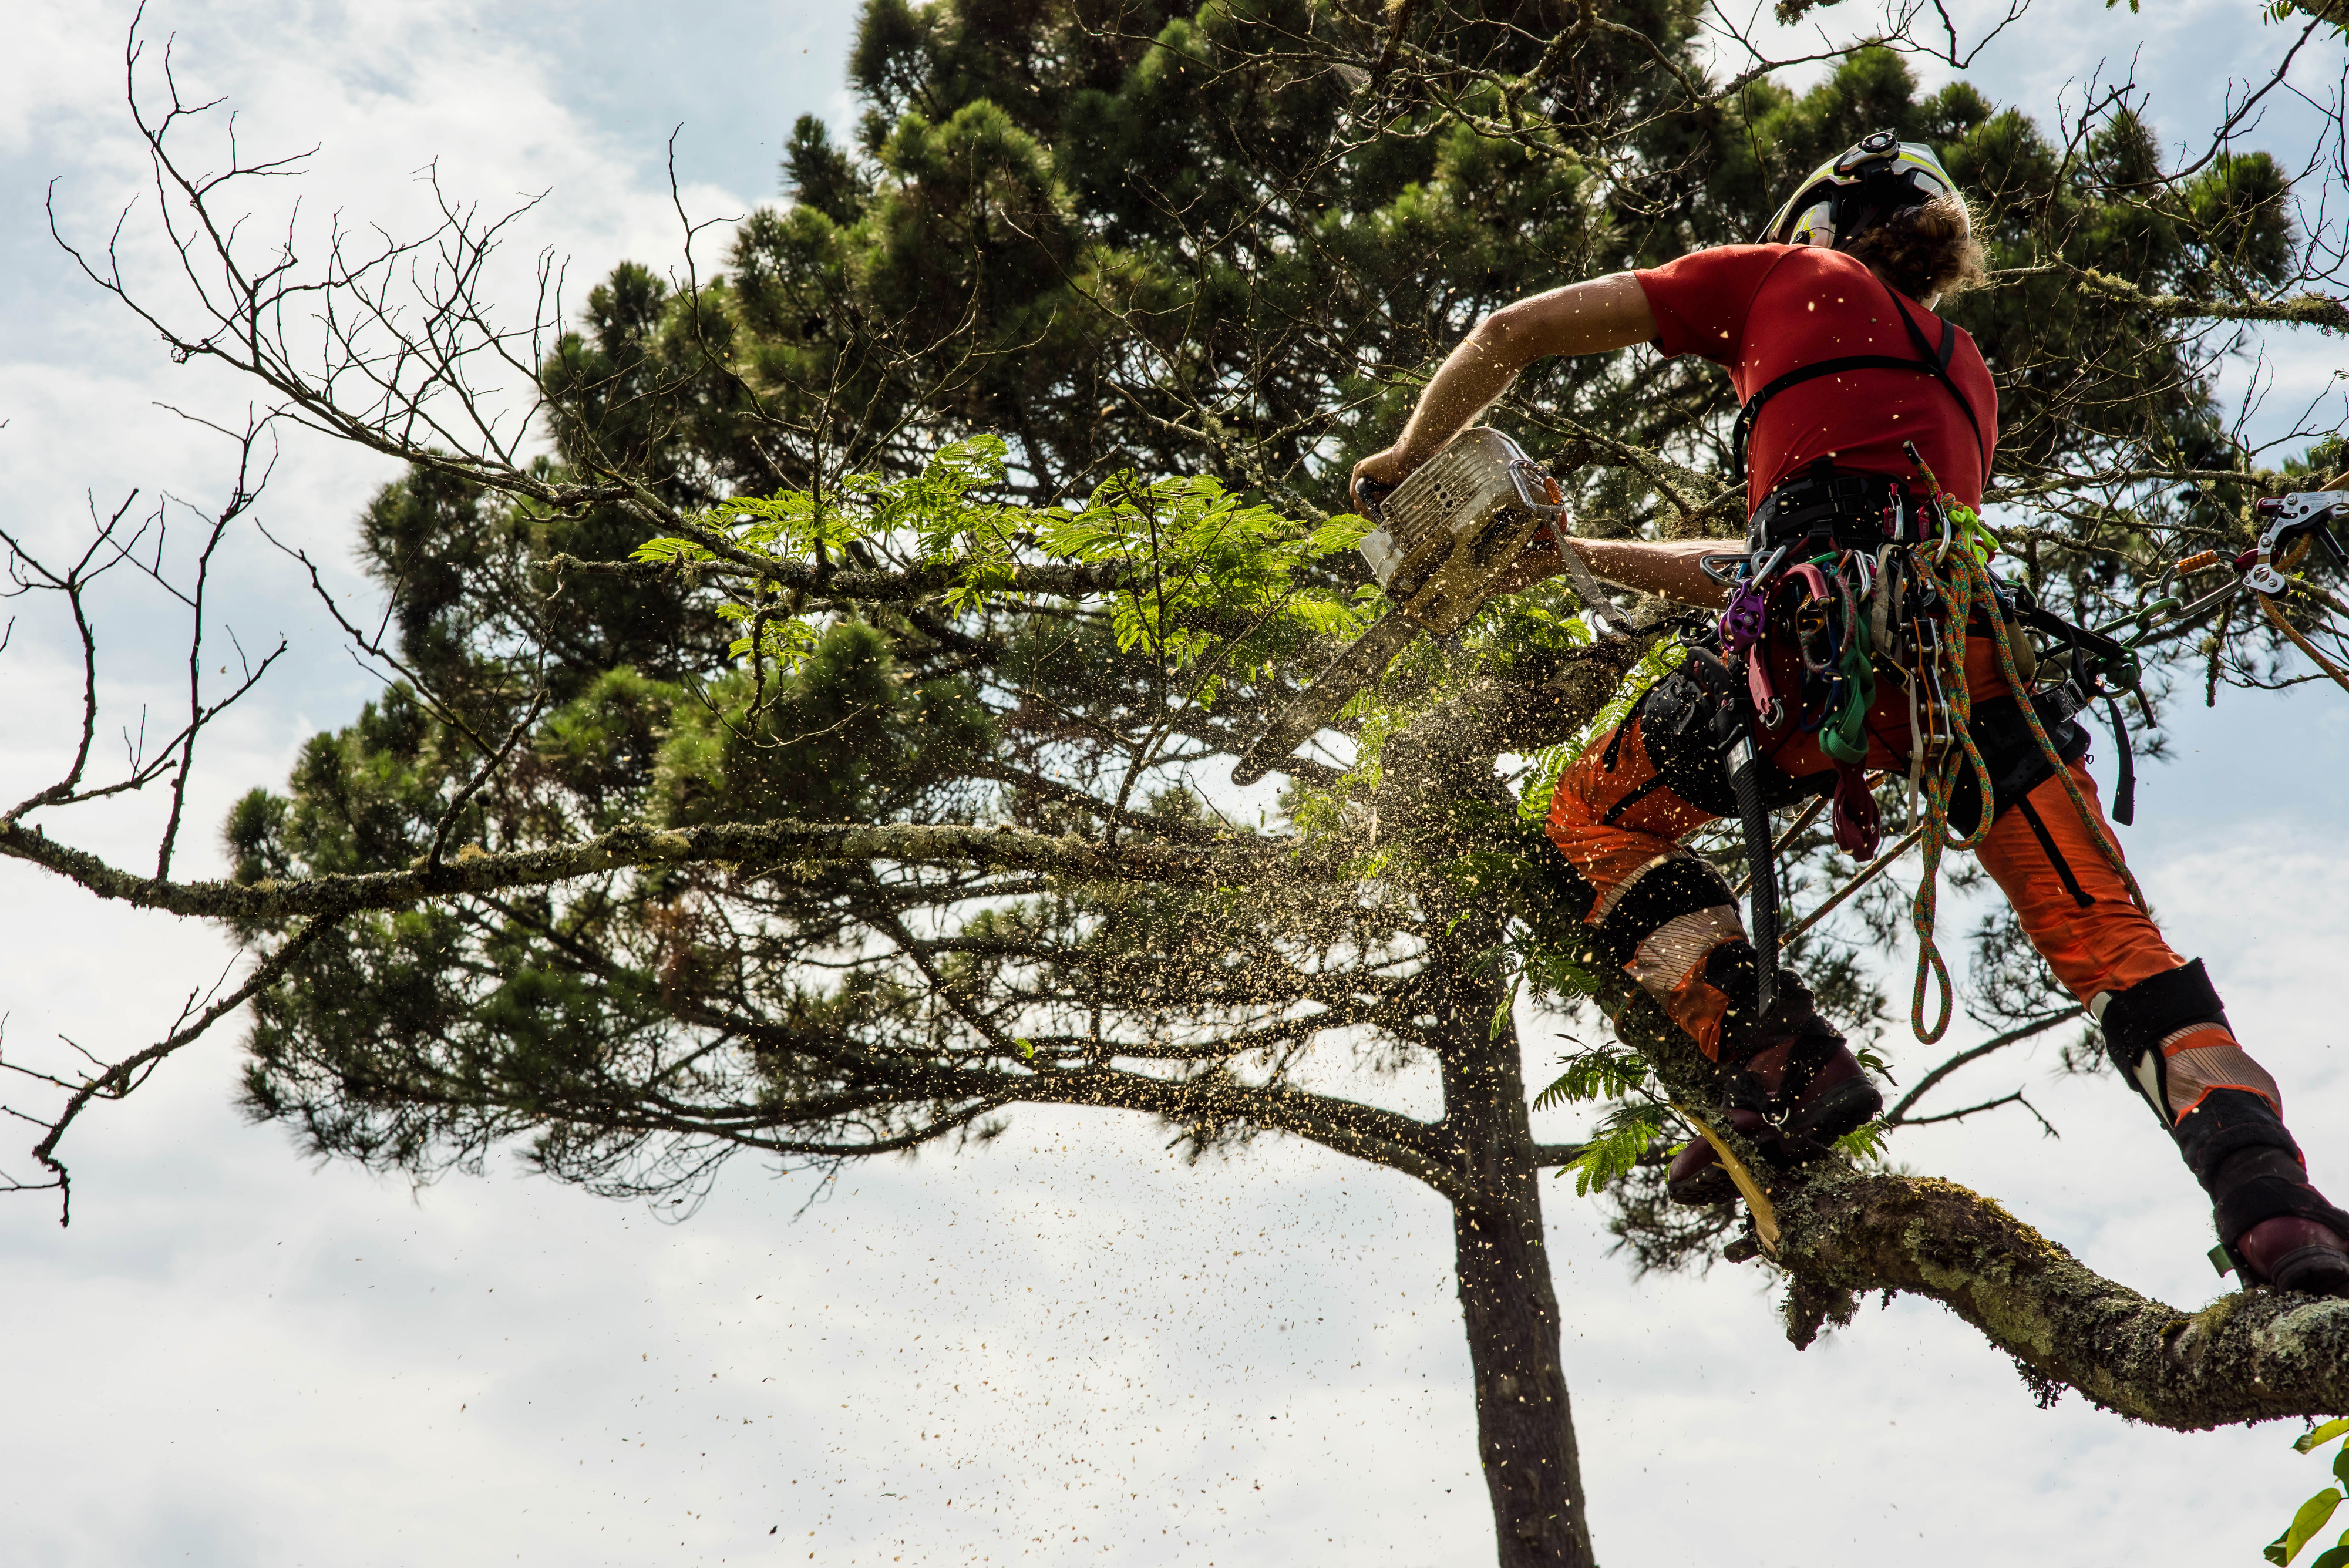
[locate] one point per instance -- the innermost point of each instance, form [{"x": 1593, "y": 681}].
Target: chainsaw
[{"x": 1445, "y": 538}]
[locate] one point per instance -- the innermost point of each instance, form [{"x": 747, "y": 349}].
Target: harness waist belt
[{"x": 1847, "y": 510}]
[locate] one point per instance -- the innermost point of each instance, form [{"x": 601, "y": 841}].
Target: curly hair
[{"x": 1923, "y": 251}]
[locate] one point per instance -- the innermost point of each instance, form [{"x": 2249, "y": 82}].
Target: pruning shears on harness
[
  {"x": 2294, "y": 523},
  {"x": 2291, "y": 525}
]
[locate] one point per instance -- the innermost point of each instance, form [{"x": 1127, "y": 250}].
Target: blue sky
[{"x": 1072, "y": 1347}]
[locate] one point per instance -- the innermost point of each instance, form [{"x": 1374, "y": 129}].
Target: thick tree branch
[
  {"x": 1343, "y": 1126},
  {"x": 756, "y": 845},
  {"x": 2251, "y": 1356},
  {"x": 926, "y": 580},
  {"x": 2247, "y": 1357}
]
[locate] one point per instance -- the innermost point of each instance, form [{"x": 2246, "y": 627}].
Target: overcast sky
[{"x": 1072, "y": 1347}]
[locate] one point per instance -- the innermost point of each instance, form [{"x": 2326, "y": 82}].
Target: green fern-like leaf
[
  {"x": 1603, "y": 1073},
  {"x": 1866, "y": 1143},
  {"x": 1615, "y": 1151}
]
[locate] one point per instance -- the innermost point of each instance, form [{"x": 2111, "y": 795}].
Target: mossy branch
[
  {"x": 2250, "y": 1356},
  {"x": 2254, "y": 1355},
  {"x": 737, "y": 845},
  {"x": 2319, "y": 310}
]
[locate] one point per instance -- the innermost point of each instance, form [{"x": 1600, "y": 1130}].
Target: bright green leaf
[
  {"x": 1865, "y": 1143},
  {"x": 2308, "y": 1442},
  {"x": 1602, "y": 1073},
  {"x": 1615, "y": 1151},
  {"x": 2309, "y": 1521}
]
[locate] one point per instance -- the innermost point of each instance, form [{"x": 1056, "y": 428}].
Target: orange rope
[{"x": 2340, "y": 677}]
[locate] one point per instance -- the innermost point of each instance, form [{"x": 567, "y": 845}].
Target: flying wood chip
[{"x": 1447, "y": 535}]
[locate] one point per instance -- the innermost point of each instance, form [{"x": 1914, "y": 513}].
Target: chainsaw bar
[{"x": 1448, "y": 533}]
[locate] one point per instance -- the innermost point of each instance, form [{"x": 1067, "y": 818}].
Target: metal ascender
[{"x": 2289, "y": 517}]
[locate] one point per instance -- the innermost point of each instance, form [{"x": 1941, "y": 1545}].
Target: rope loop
[{"x": 1961, "y": 583}]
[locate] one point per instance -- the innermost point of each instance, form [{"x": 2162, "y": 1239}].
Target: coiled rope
[{"x": 1966, "y": 587}]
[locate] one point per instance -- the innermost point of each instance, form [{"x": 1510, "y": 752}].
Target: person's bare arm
[
  {"x": 1667, "y": 568},
  {"x": 1594, "y": 317}
]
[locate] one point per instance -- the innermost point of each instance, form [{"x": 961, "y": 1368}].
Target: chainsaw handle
[
  {"x": 1525, "y": 474},
  {"x": 1369, "y": 497}
]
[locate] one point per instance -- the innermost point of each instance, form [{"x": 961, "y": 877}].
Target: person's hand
[{"x": 1384, "y": 469}]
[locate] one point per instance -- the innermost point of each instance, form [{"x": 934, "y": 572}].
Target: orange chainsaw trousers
[{"x": 1674, "y": 925}]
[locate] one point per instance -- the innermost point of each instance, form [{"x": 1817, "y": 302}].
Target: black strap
[
  {"x": 1631, "y": 798},
  {"x": 1847, "y": 507},
  {"x": 2054, "y": 854},
  {"x": 1930, "y": 361},
  {"x": 1936, "y": 363},
  {"x": 2123, "y": 792}
]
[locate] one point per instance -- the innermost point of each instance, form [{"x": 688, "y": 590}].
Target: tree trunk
[{"x": 1525, "y": 1425}]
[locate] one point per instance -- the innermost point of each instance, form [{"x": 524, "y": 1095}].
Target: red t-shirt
[{"x": 1764, "y": 310}]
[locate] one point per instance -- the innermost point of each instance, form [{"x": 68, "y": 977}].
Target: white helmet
[{"x": 1876, "y": 176}]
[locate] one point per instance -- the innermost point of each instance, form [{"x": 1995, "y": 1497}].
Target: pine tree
[{"x": 814, "y": 756}]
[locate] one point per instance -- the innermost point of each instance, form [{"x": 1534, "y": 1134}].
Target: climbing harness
[{"x": 1848, "y": 579}]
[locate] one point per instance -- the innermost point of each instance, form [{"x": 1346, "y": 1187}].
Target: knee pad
[
  {"x": 2225, "y": 1121},
  {"x": 1572, "y": 890},
  {"x": 2137, "y": 1020},
  {"x": 1681, "y": 885}
]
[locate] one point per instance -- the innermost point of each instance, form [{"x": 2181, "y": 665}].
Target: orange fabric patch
[
  {"x": 2204, "y": 1057},
  {"x": 2108, "y": 945},
  {"x": 1611, "y": 856},
  {"x": 1699, "y": 1006}
]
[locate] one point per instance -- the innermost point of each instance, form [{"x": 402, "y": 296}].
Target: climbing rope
[
  {"x": 1946, "y": 650},
  {"x": 1964, "y": 588}
]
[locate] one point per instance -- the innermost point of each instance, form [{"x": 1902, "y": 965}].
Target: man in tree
[{"x": 1871, "y": 425}]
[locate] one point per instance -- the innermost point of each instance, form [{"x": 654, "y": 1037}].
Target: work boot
[
  {"x": 1821, "y": 1084},
  {"x": 2288, "y": 1255},
  {"x": 1795, "y": 1087},
  {"x": 1791, "y": 1065},
  {"x": 2300, "y": 1249},
  {"x": 1839, "y": 1099}
]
